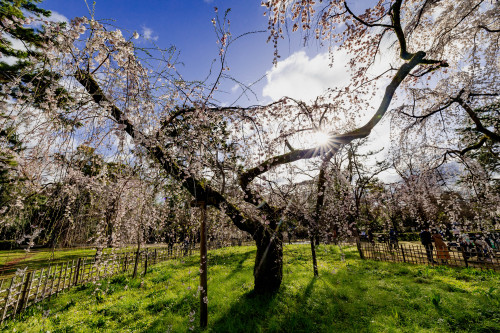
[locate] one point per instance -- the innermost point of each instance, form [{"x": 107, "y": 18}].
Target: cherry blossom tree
[{"x": 224, "y": 156}]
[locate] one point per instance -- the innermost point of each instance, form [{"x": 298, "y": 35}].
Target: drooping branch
[
  {"x": 475, "y": 146},
  {"x": 198, "y": 189},
  {"x": 368, "y": 24},
  {"x": 479, "y": 125}
]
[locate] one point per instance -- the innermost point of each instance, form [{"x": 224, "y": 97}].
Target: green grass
[{"x": 350, "y": 296}]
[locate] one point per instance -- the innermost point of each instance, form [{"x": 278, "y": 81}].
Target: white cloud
[
  {"x": 147, "y": 33},
  {"x": 235, "y": 88},
  {"x": 57, "y": 17},
  {"x": 305, "y": 78}
]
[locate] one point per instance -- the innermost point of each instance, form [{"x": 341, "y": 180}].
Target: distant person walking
[
  {"x": 393, "y": 239},
  {"x": 426, "y": 240},
  {"x": 442, "y": 250}
]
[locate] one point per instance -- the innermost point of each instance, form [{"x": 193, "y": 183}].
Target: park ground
[{"x": 350, "y": 295}]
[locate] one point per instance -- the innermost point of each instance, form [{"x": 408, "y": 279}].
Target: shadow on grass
[
  {"x": 239, "y": 264},
  {"x": 248, "y": 314},
  {"x": 267, "y": 313}
]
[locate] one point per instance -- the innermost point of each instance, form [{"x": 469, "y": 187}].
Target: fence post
[
  {"x": 156, "y": 255},
  {"x": 52, "y": 284},
  {"x": 136, "y": 264},
  {"x": 464, "y": 255},
  {"x": 38, "y": 284},
  {"x": 6, "y": 306},
  {"x": 125, "y": 262},
  {"x": 146, "y": 261},
  {"x": 25, "y": 292},
  {"x": 77, "y": 272},
  {"x": 403, "y": 252}
]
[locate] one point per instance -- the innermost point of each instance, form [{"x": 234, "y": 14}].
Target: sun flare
[{"x": 321, "y": 138}]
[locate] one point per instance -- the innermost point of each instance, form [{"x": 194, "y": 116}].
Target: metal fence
[{"x": 418, "y": 254}]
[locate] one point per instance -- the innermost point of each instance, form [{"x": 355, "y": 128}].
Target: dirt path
[{"x": 11, "y": 264}]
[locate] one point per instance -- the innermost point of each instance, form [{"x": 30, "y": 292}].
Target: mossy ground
[{"x": 348, "y": 296}]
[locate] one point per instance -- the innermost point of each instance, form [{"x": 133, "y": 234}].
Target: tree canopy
[{"x": 436, "y": 67}]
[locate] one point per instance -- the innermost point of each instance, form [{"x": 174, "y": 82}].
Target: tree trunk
[
  {"x": 136, "y": 263},
  {"x": 313, "y": 253},
  {"x": 268, "y": 269}
]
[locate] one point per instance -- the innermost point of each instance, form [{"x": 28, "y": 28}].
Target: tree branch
[
  {"x": 198, "y": 188},
  {"x": 479, "y": 126},
  {"x": 488, "y": 29},
  {"x": 336, "y": 140},
  {"x": 364, "y": 22}
]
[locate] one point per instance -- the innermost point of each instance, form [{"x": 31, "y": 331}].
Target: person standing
[
  {"x": 393, "y": 239},
  {"x": 441, "y": 248},
  {"x": 426, "y": 240}
]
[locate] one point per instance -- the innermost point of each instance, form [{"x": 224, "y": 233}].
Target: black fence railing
[{"x": 419, "y": 254}]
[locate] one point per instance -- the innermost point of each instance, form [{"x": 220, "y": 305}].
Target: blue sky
[
  {"x": 186, "y": 24},
  {"x": 303, "y": 73}
]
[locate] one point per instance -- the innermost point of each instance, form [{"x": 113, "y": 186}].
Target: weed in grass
[{"x": 436, "y": 299}]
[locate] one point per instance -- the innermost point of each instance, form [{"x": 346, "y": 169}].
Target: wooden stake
[{"x": 203, "y": 268}]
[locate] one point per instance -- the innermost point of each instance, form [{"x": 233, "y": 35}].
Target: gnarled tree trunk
[{"x": 268, "y": 269}]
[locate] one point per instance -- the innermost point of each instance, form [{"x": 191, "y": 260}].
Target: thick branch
[
  {"x": 488, "y": 29},
  {"x": 337, "y": 140},
  {"x": 472, "y": 147},
  {"x": 398, "y": 30},
  {"x": 197, "y": 188}
]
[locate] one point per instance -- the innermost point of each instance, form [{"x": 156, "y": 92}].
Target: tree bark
[
  {"x": 268, "y": 269},
  {"x": 313, "y": 253}
]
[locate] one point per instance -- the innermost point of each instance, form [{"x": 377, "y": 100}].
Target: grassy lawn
[{"x": 350, "y": 296}]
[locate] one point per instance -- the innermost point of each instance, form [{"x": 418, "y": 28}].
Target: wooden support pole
[
  {"x": 125, "y": 262},
  {"x": 146, "y": 261},
  {"x": 136, "y": 264},
  {"x": 203, "y": 268},
  {"x": 358, "y": 245}
]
